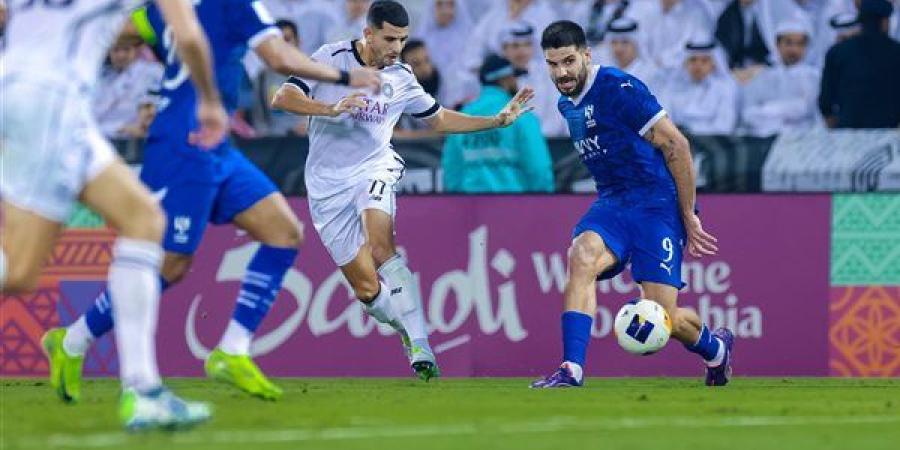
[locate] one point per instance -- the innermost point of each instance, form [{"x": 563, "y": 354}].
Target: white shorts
[
  {"x": 50, "y": 147},
  {"x": 338, "y": 218}
]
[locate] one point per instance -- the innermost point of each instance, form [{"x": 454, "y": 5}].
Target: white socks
[
  {"x": 720, "y": 355},
  {"x": 382, "y": 310},
  {"x": 134, "y": 290},
  {"x": 405, "y": 297},
  {"x": 236, "y": 340},
  {"x": 576, "y": 369},
  {"x": 78, "y": 338}
]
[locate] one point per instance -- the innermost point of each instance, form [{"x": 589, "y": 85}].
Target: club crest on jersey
[
  {"x": 181, "y": 224},
  {"x": 387, "y": 90},
  {"x": 589, "y": 116}
]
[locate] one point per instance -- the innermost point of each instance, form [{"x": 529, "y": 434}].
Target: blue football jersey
[
  {"x": 231, "y": 26},
  {"x": 606, "y": 124}
]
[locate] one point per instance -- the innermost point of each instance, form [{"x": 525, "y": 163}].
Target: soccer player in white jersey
[
  {"x": 352, "y": 170},
  {"x": 52, "y": 154}
]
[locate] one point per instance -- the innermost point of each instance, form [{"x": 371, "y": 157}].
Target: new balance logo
[{"x": 395, "y": 291}]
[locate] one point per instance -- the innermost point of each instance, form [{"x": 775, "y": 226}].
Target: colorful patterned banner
[{"x": 491, "y": 270}]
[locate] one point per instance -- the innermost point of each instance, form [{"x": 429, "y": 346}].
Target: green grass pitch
[{"x": 480, "y": 413}]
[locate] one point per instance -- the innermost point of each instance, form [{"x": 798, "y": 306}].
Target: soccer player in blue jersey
[
  {"x": 645, "y": 211},
  {"x": 197, "y": 186}
]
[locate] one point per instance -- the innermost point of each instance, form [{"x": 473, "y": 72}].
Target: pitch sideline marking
[{"x": 243, "y": 437}]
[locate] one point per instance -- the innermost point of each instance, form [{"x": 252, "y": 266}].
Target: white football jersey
[
  {"x": 345, "y": 149},
  {"x": 65, "y": 40}
]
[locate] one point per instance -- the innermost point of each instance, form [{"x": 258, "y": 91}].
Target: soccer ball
[{"x": 642, "y": 327}]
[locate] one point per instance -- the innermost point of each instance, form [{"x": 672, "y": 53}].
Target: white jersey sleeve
[{"x": 418, "y": 103}]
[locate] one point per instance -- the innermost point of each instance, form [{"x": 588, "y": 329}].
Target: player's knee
[
  {"x": 145, "y": 220},
  {"x": 20, "y": 278},
  {"x": 366, "y": 288},
  {"x": 175, "y": 267},
  {"x": 286, "y": 232},
  {"x": 588, "y": 258}
]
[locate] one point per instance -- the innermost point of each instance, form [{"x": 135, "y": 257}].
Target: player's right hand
[
  {"x": 213, "y": 124},
  {"x": 365, "y": 78},
  {"x": 348, "y": 103},
  {"x": 699, "y": 242}
]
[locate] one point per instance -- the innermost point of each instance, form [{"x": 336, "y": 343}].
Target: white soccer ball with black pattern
[{"x": 642, "y": 327}]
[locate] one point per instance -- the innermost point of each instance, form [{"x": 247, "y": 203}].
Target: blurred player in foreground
[
  {"x": 645, "y": 210},
  {"x": 352, "y": 171},
  {"x": 53, "y": 154},
  {"x": 219, "y": 185}
]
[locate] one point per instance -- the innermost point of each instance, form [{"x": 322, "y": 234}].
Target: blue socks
[
  {"x": 99, "y": 317},
  {"x": 707, "y": 346},
  {"x": 261, "y": 284},
  {"x": 576, "y": 330}
]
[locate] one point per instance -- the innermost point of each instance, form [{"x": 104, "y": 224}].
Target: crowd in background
[{"x": 720, "y": 67}]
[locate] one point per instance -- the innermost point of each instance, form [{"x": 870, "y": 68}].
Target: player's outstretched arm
[
  {"x": 193, "y": 49},
  {"x": 288, "y": 60},
  {"x": 292, "y": 99},
  {"x": 446, "y": 121},
  {"x": 665, "y": 136}
]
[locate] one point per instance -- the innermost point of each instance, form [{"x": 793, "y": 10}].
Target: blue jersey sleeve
[
  {"x": 636, "y": 106},
  {"x": 249, "y": 22}
]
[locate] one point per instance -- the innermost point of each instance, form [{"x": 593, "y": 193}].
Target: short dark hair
[
  {"x": 563, "y": 33},
  {"x": 289, "y": 24},
  {"x": 411, "y": 45},
  {"x": 388, "y": 11}
]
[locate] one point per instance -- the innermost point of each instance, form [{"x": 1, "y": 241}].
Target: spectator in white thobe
[
  {"x": 122, "y": 105},
  {"x": 314, "y": 19},
  {"x": 783, "y": 97},
  {"x": 518, "y": 47},
  {"x": 486, "y": 37},
  {"x": 627, "y": 54},
  {"x": 667, "y": 26},
  {"x": 702, "y": 97}
]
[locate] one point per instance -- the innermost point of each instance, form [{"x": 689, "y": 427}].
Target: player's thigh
[
  {"x": 600, "y": 244},
  {"x": 589, "y": 255},
  {"x": 379, "y": 230},
  {"x": 339, "y": 226},
  {"x": 27, "y": 239},
  {"x": 657, "y": 248},
  {"x": 377, "y": 201},
  {"x": 46, "y": 158},
  {"x": 272, "y": 222},
  {"x": 117, "y": 195}
]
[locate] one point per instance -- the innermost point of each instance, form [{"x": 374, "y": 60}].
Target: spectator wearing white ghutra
[
  {"x": 628, "y": 53},
  {"x": 783, "y": 97},
  {"x": 702, "y": 97}
]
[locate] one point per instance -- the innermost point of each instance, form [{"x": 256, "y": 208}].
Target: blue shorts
[
  {"x": 197, "y": 187},
  {"x": 650, "y": 238}
]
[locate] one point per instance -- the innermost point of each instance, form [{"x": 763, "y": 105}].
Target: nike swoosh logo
[{"x": 161, "y": 194}]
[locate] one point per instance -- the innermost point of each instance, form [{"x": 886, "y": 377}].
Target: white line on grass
[{"x": 557, "y": 424}]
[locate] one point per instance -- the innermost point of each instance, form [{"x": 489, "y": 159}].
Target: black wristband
[{"x": 344, "y": 78}]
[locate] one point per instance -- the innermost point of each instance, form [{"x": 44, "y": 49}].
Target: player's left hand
[
  {"x": 699, "y": 242},
  {"x": 213, "y": 124},
  {"x": 515, "y": 108}
]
